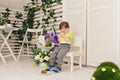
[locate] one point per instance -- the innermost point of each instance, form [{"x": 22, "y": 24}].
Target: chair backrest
[
  {"x": 34, "y": 30},
  {"x": 77, "y": 43}
]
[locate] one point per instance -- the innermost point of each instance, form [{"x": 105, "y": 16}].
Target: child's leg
[
  {"x": 63, "y": 51},
  {"x": 53, "y": 55}
]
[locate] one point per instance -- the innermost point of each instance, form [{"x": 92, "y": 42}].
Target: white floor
[{"x": 24, "y": 70}]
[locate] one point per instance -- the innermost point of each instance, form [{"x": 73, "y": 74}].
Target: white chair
[
  {"x": 76, "y": 50},
  {"x": 25, "y": 41},
  {"x": 5, "y": 42}
]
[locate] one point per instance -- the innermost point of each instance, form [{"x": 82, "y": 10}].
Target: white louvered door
[{"x": 101, "y": 32}]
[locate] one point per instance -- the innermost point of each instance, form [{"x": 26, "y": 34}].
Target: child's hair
[{"x": 64, "y": 24}]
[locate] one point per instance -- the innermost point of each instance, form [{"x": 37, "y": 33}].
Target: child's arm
[
  {"x": 67, "y": 39},
  {"x": 63, "y": 35},
  {"x": 60, "y": 36}
]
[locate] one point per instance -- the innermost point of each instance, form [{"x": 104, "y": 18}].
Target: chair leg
[
  {"x": 20, "y": 51},
  {"x": 80, "y": 62},
  {"x": 71, "y": 65},
  {"x": 69, "y": 62},
  {"x": 28, "y": 51},
  {"x": 2, "y": 58},
  {"x": 19, "y": 54}
]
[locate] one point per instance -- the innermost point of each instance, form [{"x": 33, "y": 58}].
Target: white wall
[{"x": 74, "y": 11}]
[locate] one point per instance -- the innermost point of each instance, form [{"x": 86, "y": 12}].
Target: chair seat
[
  {"x": 75, "y": 53},
  {"x": 32, "y": 41}
]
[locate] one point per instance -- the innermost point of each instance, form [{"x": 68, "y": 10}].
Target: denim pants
[{"x": 58, "y": 54}]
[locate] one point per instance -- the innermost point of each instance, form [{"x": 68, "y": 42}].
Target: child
[{"x": 65, "y": 39}]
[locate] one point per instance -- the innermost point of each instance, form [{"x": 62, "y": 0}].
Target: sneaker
[
  {"x": 56, "y": 69},
  {"x": 50, "y": 68}
]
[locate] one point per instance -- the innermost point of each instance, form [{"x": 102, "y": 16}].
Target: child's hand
[{"x": 62, "y": 34}]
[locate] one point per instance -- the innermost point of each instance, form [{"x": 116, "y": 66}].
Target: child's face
[{"x": 64, "y": 30}]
